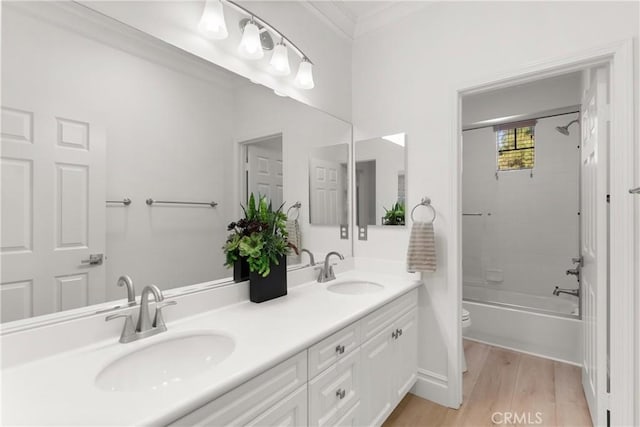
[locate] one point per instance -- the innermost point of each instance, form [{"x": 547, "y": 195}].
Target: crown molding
[
  {"x": 333, "y": 17},
  {"x": 341, "y": 20}
]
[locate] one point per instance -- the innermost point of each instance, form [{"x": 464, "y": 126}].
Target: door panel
[
  {"x": 594, "y": 223},
  {"x": 265, "y": 171}
]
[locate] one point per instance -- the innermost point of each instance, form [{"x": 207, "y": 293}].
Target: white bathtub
[{"x": 542, "y": 326}]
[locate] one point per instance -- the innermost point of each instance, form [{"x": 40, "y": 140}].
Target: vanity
[{"x": 339, "y": 353}]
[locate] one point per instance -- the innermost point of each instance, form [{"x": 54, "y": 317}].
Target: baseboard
[
  {"x": 519, "y": 350},
  {"x": 432, "y": 386}
]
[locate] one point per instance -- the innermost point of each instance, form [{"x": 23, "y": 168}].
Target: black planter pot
[
  {"x": 273, "y": 286},
  {"x": 240, "y": 270}
]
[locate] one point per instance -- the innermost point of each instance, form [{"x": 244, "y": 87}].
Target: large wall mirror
[
  {"x": 381, "y": 170},
  {"x": 124, "y": 155}
]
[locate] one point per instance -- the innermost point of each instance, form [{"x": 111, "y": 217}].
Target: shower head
[{"x": 565, "y": 129}]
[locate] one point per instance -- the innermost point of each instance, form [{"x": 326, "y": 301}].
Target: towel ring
[
  {"x": 424, "y": 202},
  {"x": 297, "y": 206}
]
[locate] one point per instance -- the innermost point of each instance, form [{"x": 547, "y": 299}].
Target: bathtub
[{"x": 542, "y": 326}]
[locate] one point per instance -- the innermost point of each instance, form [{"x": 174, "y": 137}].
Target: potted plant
[
  {"x": 259, "y": 241},
  {"x": 395, "y": 215}
]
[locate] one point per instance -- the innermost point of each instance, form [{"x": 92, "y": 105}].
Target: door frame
[{"x": 622, "y": 303}]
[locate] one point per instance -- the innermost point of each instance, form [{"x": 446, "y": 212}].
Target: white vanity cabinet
[
  {"x": 354, "y": 377},
  {"x": 389, "y": 362}
]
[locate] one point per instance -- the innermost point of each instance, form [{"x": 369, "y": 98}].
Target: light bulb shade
[
  {"x": 250, "y": 45},
  {"x": 279, "y": 64},
  {"x": 212, "y": 24},
  {"x": 304, "y": 78}
]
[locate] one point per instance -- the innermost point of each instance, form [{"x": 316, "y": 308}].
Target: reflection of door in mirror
[
  {"x": 328, "y": 184},
  {"x": 366, "y": 192},
  {"x": 264, "y": 169},
  {"x": 53, "y": 210}
]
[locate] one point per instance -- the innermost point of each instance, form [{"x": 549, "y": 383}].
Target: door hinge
[{"x": 608, "y": 198}]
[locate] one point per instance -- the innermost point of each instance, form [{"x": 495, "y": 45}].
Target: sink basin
[
  {"x": 355, "y": 287},
  {"x": 165, "y": 363}
]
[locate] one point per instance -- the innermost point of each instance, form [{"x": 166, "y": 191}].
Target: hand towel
[
  {"x": 421, "y": 255},
  {"x": 295, "y": 238}
]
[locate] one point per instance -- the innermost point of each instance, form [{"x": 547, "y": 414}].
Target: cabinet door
[
  {"x": 376, "y": 359},
  {"x": 405, "y": 355},
  {"x": 290, "y": 412}
]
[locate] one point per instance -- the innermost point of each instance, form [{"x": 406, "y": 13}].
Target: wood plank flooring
[{"x": 535, "y": 391}]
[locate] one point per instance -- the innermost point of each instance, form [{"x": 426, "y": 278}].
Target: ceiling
[{"x": 353, "y": 18}]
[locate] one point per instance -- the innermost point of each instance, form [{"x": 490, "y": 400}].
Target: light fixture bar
[{"x": 269, "y": 27}]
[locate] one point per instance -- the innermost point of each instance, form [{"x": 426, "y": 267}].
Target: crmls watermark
[{"x": 526, "y": 418}]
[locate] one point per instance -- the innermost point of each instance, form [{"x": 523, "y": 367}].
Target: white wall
[
  {"x": 175, "y": 22},
  {"x": 258, "y": 113},
  {"x": 404, "y": 80},
  {"x": 532, "y": 232},
  {"x": 165, "y": 132}
]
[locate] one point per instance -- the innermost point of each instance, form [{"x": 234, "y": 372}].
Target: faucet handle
[
  {"x": 158, "y": 320},
  {"x": 129, "y": 330}
]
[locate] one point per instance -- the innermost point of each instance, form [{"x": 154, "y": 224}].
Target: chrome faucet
[
  {"x": 145, "y": 327},
  {"x": 326, "y": 272},
  {"x": 312, "y": 260},
  {"x": 575, "y": 292},
  {"x": 131, "y": 290}
]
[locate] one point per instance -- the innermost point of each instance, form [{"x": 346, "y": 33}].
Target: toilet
[{"x": 466, "y": 322}]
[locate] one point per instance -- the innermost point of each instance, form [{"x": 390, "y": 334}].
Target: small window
[{"x": 516, "y": 148}]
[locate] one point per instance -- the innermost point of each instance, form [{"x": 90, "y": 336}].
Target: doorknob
[{"x": 94, "y": 259}]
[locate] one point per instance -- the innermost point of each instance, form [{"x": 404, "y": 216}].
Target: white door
[
  {"x": 265, "y": 171},
  {"x": 326, "y": 182},
  {"x": 594, "y": 166},
  {"x": 53, "y": 212}
]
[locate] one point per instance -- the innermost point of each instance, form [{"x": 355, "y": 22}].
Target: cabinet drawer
[
  {"x": 351, "y": 418},
  {"x": 387, "y": 314},
  {"x": 331, "y": 349},
  {"x": 334, "y": 392},
  {"x": 251, "y": 399},
  {"x": 292, "y": 411}
]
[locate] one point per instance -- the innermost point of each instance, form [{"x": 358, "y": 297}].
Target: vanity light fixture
[
  {"x": 279, "y": 64},
  {"x": 304, "y": 78},
  {"x": 250, "y": 46},
  {"x": 212, "y": 23},
  {"x": 256, "y": 38}
]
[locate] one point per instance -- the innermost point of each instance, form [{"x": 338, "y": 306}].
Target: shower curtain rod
[{"x": 521, "y": 117}]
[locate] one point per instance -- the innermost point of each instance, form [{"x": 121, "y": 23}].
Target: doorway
[{"x": 615, "y": 403}]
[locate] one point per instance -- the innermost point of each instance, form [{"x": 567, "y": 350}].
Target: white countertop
[{"x": 60, "y": 390}]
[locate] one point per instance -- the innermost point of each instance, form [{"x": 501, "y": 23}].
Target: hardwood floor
[{"x": 498, "y": 383}]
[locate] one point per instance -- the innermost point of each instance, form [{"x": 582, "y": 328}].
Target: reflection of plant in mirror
[
  {"x": 395, "y": 215},
  {"x": 260, "y": 237}
]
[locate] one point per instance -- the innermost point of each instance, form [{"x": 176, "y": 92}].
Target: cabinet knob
[
  {"x": 400, "y": 332},
  {"x": 394, "y": 334},
  {"x": 340, "y": 349},
  {"x": 340, "y": 394}
]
